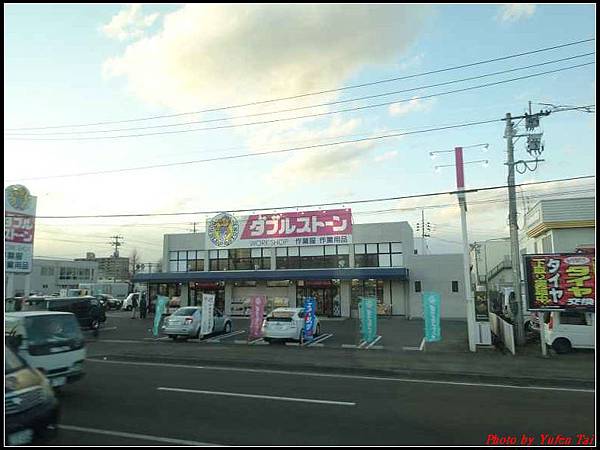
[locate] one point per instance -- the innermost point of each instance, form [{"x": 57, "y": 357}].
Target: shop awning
[{"x": 365, "y": 273}]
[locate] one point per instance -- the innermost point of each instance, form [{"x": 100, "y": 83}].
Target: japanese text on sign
[{"x": 561, "y": 281}]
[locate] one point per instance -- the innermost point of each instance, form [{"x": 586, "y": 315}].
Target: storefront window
[
  {"x": 219, "y": 260},
  {"x": 387, "y": 254},
  {"x": 287, "y": 258},
  {"x": 186, "y": 261},
  {"x": 366, "y": 288},
  {"x": 326, "y": 293}
]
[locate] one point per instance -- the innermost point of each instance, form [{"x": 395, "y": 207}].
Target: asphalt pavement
[{"x": 137, "y": 403}]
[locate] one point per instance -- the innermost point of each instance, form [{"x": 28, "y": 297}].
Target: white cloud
[
  {"x": 386, "y": 156},
  {"x": 512, "y": 12},
  {"x": 413, "y": 105},
  {"x": 209, "y": 55},
  {"x": 129, "y": 23}
]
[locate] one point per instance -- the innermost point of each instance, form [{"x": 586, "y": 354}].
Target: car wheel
[
  {"x": 227, "y": 328},
  {"x": 562, "y": 345}
]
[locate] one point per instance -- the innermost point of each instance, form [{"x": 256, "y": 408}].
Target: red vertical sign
[
  {"x": 257, "y": 308},
  {"x": 460, "y": 170}
]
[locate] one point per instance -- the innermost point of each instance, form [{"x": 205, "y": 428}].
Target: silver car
[
  {"x": 286, "y": 324},
  {"x": 186, "y": 323}
]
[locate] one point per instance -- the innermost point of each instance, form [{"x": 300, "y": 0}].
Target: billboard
[
  {"x": 19, "y": 226},
  {"x": 279, "y": 230},
  {"x": 560, "y": 281}
]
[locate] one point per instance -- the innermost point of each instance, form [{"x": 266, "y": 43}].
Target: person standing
[
  {"x": 134, "y": 306},
  {"x": 143, "y": 306}
]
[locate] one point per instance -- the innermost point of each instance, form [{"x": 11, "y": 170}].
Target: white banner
[{"x": 208, "y": 311}]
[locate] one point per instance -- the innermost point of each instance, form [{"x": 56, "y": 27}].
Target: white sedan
[{"x": 287, "y": 324}]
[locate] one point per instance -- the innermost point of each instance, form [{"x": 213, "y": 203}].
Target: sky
[{"x": 72, "y": 64}]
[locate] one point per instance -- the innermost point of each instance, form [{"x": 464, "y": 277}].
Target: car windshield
[
  {"x": 185, "y": 312},
  {"x": 52, "y": 328},
  {"x": 12, "y": 362}
]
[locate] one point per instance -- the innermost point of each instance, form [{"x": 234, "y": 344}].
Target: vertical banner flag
[
  {"x": 257, "y": 310},
  {"x": 309, "y": 317},
  {"x": 431, "y": 315},
  {"x": 161, "y": 304},
  {"x": 367, "y": 308},
  {"x": 208, "y": 313}
]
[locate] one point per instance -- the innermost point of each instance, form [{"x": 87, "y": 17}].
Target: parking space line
[
  {"x": 349, "y": 346},
  {"x": 319, "y": 340},
  {"x": 144, "y": 437},
  {"x": 373, "y": 343},
  {"x": 265, "y": 397},
  {"x": 293, "y": 344},
  {"x": 233, "y": 333}
]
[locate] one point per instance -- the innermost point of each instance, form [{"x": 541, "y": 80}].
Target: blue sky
[{"x": 66, "y": 64}]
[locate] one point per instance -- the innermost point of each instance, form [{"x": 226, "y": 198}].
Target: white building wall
[
  {"x": 436, "y": 273},
  {"x": 568, "y": 239}
]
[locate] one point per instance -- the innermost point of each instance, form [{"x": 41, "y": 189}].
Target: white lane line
[
  {"x": 144, "y": 437},
  {"x": 265, "y": 397},
  {"x": 331, "y": 375},
  {"x": 373, "y": 343},
  {"x": 122, "y": 341},
  {"x": 257, "y": 342},
  {"x": 233, "y": 333},
  {"x": 319, "y": 340},
  {"x": 411, "y": 348}
]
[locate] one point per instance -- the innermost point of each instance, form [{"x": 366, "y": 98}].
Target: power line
[
  {"x": 368, "y": 97},
  {"x": 246, "y": 155},
  {"x": 318, "y": 92},
  {"x": 357, "y": 108},
  {"x": 350, "y": 202}
]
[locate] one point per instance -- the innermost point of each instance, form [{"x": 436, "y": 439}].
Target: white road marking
[
  {"x": 123, "y": 341},
  {"x": 318, "y": 340},
  {"x": 265, "y": 397},
  {"x": 348, "y": 346},
  {"x": 422, "y": 345},
  {"x": 257, "y": 342},
  {"x": 293, "y": 344},
  {"x": 144, "y": 437},
  {"x": 233, "y": 333},
  {"x": 372, "y": 343},
  {"x": 330, "y": 375}
]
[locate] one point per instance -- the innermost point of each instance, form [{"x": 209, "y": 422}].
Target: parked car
[
  {"x": 89, "y": 311},
  {"x": 286, "y": 324},
  {"x": 186, "y": 323},
  {"x": 31, "y": 410},
  {"x": 51, "y": 342},
  {"x": 566, "y": 330},
  {"x": 109, "y": 301}
]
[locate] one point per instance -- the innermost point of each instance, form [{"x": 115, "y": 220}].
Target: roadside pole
[
  {"x": 514, "y": 232},
  {"x": 542, "y": 321},
  {"x": 460, "y": 184}
]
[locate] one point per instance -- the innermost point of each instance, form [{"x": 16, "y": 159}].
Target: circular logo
[
  {"x": 223, "y": 229},
  {"x": 18, "y": 196}
]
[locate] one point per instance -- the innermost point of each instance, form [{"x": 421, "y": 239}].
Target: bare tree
[{"x": 134, "y": 263}]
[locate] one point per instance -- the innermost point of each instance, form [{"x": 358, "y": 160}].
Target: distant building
[
  {"x": 111, "y": 268},
  {"x": 49, "y": 276}
]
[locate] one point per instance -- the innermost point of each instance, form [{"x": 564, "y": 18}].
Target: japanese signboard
[
  {"x": 560, "y": 281},
  {"x": 208, "y": 313},
  {"x": 257, "y": 309},
  {"x": 481, "y": 307},
  {"x": 19, "y": 225},
  {"x": 280, "y": 230},
  {"x": 310, "y": 305},
  {"x": 431, "y": 316},
  {"x": 367, "y": 311}
]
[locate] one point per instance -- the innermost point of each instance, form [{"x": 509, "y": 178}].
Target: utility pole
[
  {"x": 425, "y": 229},
  {"x": 194, "y": 225},
  {"x": 116, "y": 244},
  {"x": 514, "y": 232}
]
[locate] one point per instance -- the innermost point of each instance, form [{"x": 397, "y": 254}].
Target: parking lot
[{"x": 395, "y": 333}]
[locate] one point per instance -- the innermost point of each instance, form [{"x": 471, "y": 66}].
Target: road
[{"x": 137, "y": 403}]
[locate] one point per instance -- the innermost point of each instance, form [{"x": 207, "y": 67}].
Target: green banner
[
  {"x": 367, "y": 308},
  {"x": 431, "y": 316}
]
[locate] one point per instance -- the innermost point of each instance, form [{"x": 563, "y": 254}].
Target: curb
[{"x": 421, "y": 374}]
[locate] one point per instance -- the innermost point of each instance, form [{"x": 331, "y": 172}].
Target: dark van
[{"x": 88, "y": 310}]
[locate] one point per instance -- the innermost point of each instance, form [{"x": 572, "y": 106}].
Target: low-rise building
[
  {"x": 49, "y": 276},
  {"x": 264, "y": 255}
]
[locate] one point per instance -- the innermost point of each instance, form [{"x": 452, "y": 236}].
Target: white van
[
  {"x": 128, "y": 302},
  {"x": 565, "y": 330},
  {"x": 51, "y": 342}
]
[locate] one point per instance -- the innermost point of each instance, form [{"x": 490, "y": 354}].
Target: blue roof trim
[{"x": 381, "y": 273}]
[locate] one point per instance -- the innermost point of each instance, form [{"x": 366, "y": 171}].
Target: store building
[{"x": 321, "y": 254}]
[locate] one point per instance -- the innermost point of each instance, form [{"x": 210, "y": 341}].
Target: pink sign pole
[{"x": 257, "y": 308}]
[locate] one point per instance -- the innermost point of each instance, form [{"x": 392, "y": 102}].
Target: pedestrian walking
[
  {"x": 134, "y": 306},
  {"x": 143, "y": 306}
]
